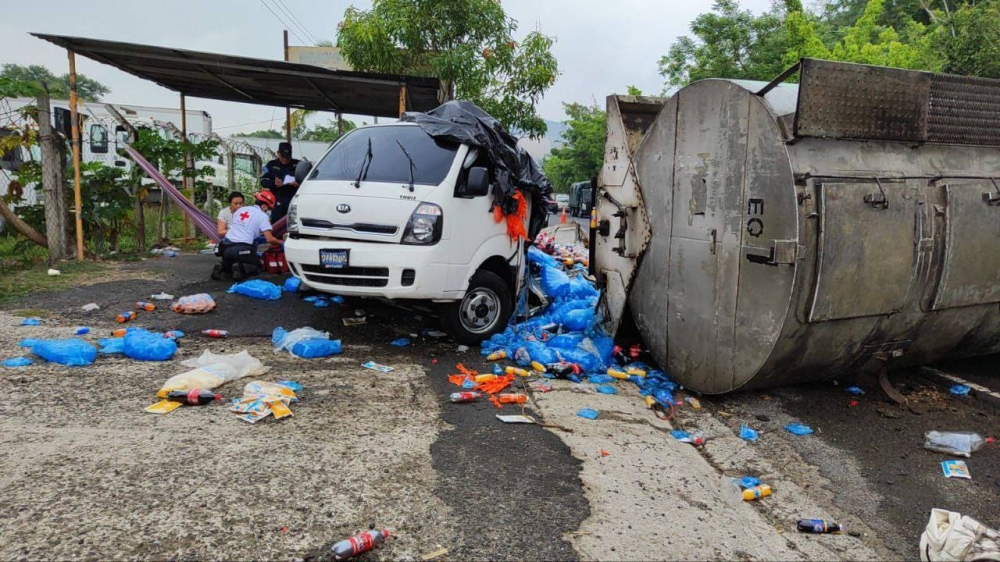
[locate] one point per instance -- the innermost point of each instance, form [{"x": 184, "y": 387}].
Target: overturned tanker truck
[{"x": 770, "y": 233}]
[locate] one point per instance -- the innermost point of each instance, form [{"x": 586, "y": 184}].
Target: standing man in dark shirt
[{"x": 278, "y": 176}]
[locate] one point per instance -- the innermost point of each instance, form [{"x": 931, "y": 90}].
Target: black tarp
[{"x": 513, "y": 168}]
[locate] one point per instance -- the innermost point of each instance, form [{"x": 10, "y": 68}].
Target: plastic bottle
[
  {"x": 497, "y": 355},
  {"x": 147, "y": 306},
  {"x": 761, "y": 491},
  {"x": 617, "y": 374},
  {"x": 819, "y": 526},
  {"x": 635, "y": 371},
  {"x": 125, "y": 317},
  {"x": 357, "y": 544},
  {"x": 193, "y": 397},
  {"x": 515, "y": 371},
  {"x": 619, "y": 354},
  {"x": 563, "y": 369},
  {"x": 215, "y": 333},
  {"x": 173, "y": 334},
  {"x": 694, "y": 402},
  {"x": 508, "y": 398},
  {"x": 119, "y": 333},
  {"x": 538, "y": 366},
  {"x": 486, "y": 378},
  {"x": 463, "y": 397},
  {"x": 958, "y": 443}
]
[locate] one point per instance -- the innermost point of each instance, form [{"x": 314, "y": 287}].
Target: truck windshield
[{"x": 431, "y": 159}]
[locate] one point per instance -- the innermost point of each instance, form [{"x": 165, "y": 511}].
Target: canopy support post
[{"x": 75, "y": 118}]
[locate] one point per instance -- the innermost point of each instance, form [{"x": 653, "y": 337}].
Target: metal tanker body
[{"x": 765, "y": 234}]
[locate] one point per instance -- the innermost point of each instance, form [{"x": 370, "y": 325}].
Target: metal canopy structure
[{"x": 262, "y": 81}]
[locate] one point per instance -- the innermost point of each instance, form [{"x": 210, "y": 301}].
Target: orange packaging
[{"x": 500, "y": 399}]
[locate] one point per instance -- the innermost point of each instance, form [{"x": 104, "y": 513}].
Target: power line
[
  {"x": 282, "y": 21},
  {"x": 298, "y": 23}
]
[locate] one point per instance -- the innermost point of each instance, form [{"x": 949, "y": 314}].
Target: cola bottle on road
[
  {"x": 193, "y": 397},
  {"x": 357, "y": 544},
  {"x": 462, "y": 397},
  {"x": 819, "y": 526}
]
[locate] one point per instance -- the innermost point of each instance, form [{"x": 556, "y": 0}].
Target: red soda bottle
[
  {"x": 462, "y": 397},
  {"x": 357, "y": 544},
  {"x": 147, "y": 306},
  {"x": 119, "y": 333},
  {"x": 125, "y": 317},
  {"x": 193, "y": 397},
  {"x": 215, "y": 333}
]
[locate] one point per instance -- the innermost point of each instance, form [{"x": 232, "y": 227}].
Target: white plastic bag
[
  {"x": 288, "y": 340},
  {"x": 952, "y": 537},
  {"x": 213, "y": 370}
]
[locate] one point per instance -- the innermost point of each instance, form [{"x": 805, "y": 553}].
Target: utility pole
[
  {"x": 288, "y": 110},
  {"x": 55, "y": 221},
  {"x": 75, "y": 118}
]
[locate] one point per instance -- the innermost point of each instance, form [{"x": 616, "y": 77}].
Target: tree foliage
[
  {"x": 23, "y": 81},
  {"x": 328, "y": 132},
  {"x": 583, "y": 152},
  {"x": 263, "y": 134},
  {"x": 958, "y": 36},
  {"x": 466, "y": 43}
]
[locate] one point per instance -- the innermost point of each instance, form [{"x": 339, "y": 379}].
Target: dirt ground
[{"x": 86, "y": 473}]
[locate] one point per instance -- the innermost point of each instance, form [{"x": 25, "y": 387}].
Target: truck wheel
[{"x": 483, "y": 311}]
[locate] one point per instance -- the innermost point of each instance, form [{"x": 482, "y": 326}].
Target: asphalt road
[{"x": 517, "y": 489}]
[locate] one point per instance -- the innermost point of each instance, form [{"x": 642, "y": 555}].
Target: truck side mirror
[
  {"x": 478, "y": 183},
  {"x": 302, "y": 170}
]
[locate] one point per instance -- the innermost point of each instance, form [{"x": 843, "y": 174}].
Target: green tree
[
  {"x": 263, "y": 133},
  {"x": 968, "y": 38},
  {"x": 582, "y": 154},
  {"x": 466, "y": 43},
  {"x": 728, "y": 43},
  {"x": 34, "y": 75},
  {"x": 867, "y": 42},
  {"x": 328, "y": 132}
]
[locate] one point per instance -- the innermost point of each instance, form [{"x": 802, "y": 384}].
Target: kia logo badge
[{"x": 343, "y": 208}]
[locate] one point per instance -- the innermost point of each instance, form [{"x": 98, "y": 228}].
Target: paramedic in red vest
[
  {"x": 239, "y": 258},
  {"x": 278, "y": 176}
]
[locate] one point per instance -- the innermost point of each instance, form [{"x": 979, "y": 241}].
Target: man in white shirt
[{"x": 240, "y": 256}]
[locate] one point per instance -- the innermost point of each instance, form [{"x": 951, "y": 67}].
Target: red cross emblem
[{"x": 244, "y": 215}]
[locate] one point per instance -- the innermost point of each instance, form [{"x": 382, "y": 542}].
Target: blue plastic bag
[
  {"x": 81, "y": 330},
  {"x": 277, "y": 335},
  {"x": 555, "y": 282},
  {"x": 588, "y": 413},
  {"x": 316, "y": 347},
  {"x": 337, "y": 299},
  {"x": 401, "y": 342},
  {"x": 960, "y": 390},
  {"x": 541, "y": 258},
  {"x": 854, "y": 390},
  {"x": 292, "y": 284},
  {"x": 257, "y": 289},
  {"x": 28, "y": 342},
  {"x": 601, "y": 379},
  {"x": 581, "y": 288},
  {"x": 110, "y": 346},
  {"x": 606, "y": 389},
  {"x": 539, "y": 352},
  {"x": 145, "y": 346},
  {"x": 31, "y": 321},
  {"x": 72, "y": 352},
  {"x": 565, "y": 341},
  {"x": 17, "y": 362},
  {"x": 578, "y": 320},
  {"x": 798, "y": 429},
  {"x": 321, "y": 303},
  {"x": 748, "y": 434},
  {"x": 748, "y": 482}
]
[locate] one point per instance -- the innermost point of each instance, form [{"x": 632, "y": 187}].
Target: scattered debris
[
  {"x": 193, "y": 304},
  {"x": 588, "y": 413},
  {"x": 90, "y": 307},
  {"x": 69, "y": 352},
  {"x": 889, "y": 413},
  {"x": 146, "y": 346},
  {"x": 17, "y": 362},
  {"x": 798, "y": 429},
  {"x": 693, "y": 402},
  {"x": 81, "y": 330},
  {"x": 161, "y": 296},
  {"x": 960, "y": 390},
  {"x": 953, "y": 537},
  {"x": 211, "y": 370},
  {"x": 125, "y": 317},
  {"x": 757, "y": 492},
  {"x": 818, "y": 526},
  {"x": 857, "y": 391},
  {"x": 463, "y": 348},
  {"x": 353, "y": 321},
  {"x": 31, "y": 322},
  {"x": 401, "y": 342},
  {"x": 357, "y": 544},
  {"x": 308, "y": 343},
  {"x": 376, "y": 367},
  {"x": 262, "y": 399},
  {"x": 697, "y": 438},
  {"x": 177, "y": 398},
  {"x": 465, "y": 397},
  {"x": 257, "y": 289},
  {"x": 956, "y": 469},
  {"x": 957, "y": 443},
  {"x": 519, "y": 418},
  {"x": 748, "y": 434},
  {"x": 217, "y": 334},
  {"x": 292, "y": 284},
  {"x": 54, "y": 272}
]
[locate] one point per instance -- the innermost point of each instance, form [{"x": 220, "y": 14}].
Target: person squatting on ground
[
  {"x": 239, "y": 258},
  {"x": 278, "y": 176}
]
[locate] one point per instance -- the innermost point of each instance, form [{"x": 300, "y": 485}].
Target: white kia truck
[{"x": 390, "y": 212}]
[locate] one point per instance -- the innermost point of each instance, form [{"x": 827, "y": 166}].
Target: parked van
[
  {"x": 579, "y": 199},
  {"x": 390, "y": 212}
]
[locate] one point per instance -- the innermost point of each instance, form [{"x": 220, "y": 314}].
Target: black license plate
[{"x": 334, "y": 259}]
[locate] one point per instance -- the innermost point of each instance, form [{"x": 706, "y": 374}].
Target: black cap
[{"x": 285, "y": 148}]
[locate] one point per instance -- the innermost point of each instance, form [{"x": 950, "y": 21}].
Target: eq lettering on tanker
[{"x": 755, "y": 217}]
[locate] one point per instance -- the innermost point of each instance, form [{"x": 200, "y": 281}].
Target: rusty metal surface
[
  {"x": 971, "y": 269},
  {"x": 840, "y": 100},
  {"x": 866, "y": 253},
  {"x": 964, "y": 110}
]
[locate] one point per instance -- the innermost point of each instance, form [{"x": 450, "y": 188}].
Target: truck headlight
[
  {"x": 424, "y": 226},
  {"x": 293, "y": 215}
]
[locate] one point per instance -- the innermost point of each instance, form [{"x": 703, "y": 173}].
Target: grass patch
[{"x": 35, "y": 279}]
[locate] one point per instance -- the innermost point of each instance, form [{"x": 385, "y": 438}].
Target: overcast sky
[{"x": 601, "y": 45}]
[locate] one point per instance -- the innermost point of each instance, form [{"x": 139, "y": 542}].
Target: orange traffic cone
[{"x": 562, "y": 220}]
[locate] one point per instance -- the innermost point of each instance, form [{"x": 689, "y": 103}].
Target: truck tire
[{"x": 484, "y": 311}]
